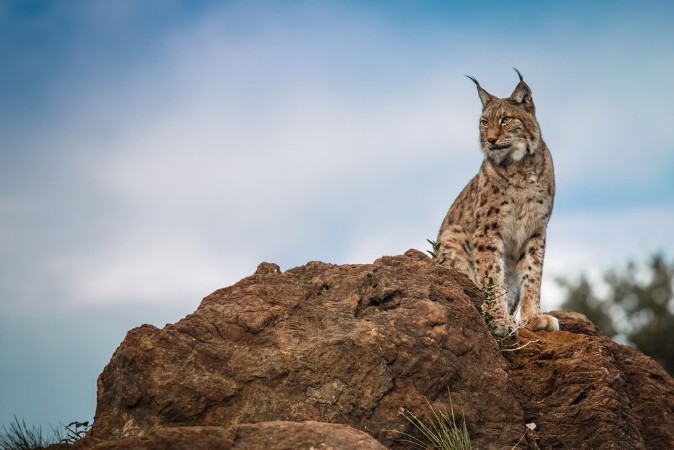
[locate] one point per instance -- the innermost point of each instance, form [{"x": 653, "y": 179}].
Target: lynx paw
[
  {"x": 543, "y": 322},
  {"x": 503, "y": 328}
]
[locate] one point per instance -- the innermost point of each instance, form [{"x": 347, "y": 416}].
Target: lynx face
[{"x": 507, "y": 131}]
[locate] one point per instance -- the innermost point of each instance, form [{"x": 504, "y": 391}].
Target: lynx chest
[{"x": 514, "y": 206}]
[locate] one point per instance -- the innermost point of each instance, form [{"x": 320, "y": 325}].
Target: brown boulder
[
  {"x": 357, "y": 344},
  {"x": 351, "y": 344}
]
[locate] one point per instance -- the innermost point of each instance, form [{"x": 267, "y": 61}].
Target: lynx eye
[
  {"x": 483, "y": 122},
  {"x": 505, "y": 120}
]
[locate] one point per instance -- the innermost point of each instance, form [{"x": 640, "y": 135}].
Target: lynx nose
[{"x": 492, "y": 136}]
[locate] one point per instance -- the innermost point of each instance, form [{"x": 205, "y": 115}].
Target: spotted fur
[{"x": 495, "y": 230}]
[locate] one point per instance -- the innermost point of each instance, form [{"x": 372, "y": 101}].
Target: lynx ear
[
  {"x": 522, "y": 94},
  {"x": 485, "y": 97}
]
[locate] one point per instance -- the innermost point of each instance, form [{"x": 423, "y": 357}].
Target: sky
[{"x": 152, "y": 152}]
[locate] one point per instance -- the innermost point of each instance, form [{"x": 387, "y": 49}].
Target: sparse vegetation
[
  {"x": 75, "y": 431},
  {"x": 439, "y": 431},
  {"x": 19, "y": 436},
  {"x": 435, "y": 251}
]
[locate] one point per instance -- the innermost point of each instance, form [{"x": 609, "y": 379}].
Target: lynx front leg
[
  {"x": 456, "y": 250},
  {"x": 490, "y": 268},
  {"x": 530, "y": 274}
]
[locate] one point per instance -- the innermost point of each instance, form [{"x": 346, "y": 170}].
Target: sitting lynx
[{"x": 495, "y": 230}]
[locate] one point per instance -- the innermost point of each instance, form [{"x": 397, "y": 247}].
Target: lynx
[{"x": 495, "y": 230}]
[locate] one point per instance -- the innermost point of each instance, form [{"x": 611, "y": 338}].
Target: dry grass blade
[
  {"x": 439, "y": 431},
  {"x": 18, "y": 436}
]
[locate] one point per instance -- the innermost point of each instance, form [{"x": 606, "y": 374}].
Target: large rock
[
  {"x": 351, "y": 344},
  {"x": 358, "y": 344}
]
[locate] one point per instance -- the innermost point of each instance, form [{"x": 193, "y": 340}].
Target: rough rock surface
[
  {"x": 355, "y": 344},
  {"x": 265, "y": 435},
  {"x": 586, "y": 391}
]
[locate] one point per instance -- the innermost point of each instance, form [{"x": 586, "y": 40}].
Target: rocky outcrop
[
  {"x": 358, "y": 344},
  {"x": 586, "y": 391}
]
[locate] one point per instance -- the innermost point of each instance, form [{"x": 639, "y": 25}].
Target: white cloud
[
  {"x": 233, "y": 145},
  {"x": 187, "y": 193},
  {"x": 260, "y": 183},
  {"x": 160, "y": 269}
]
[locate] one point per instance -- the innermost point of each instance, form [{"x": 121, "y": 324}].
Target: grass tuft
[
  {"x": 439, "y": 431},
  {"x": 18, "y": 436}
]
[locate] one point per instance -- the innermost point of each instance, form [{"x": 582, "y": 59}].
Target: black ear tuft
[
  {"x": 485, "y": 97},
  {"x": 518, "y": 74},
  {"x": 474, "y": 80}
]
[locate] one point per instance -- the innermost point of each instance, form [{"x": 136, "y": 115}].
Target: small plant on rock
[
  {"x": 75, "y": 431},
  {"x": 439, "y": 431},
  {"x": 435, "y": 252}
]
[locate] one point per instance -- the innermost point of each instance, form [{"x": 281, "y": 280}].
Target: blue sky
[{"x": 152, "y": 152}]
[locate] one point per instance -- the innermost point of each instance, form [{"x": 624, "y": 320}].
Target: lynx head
[{"x": 508, "y": 127}]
